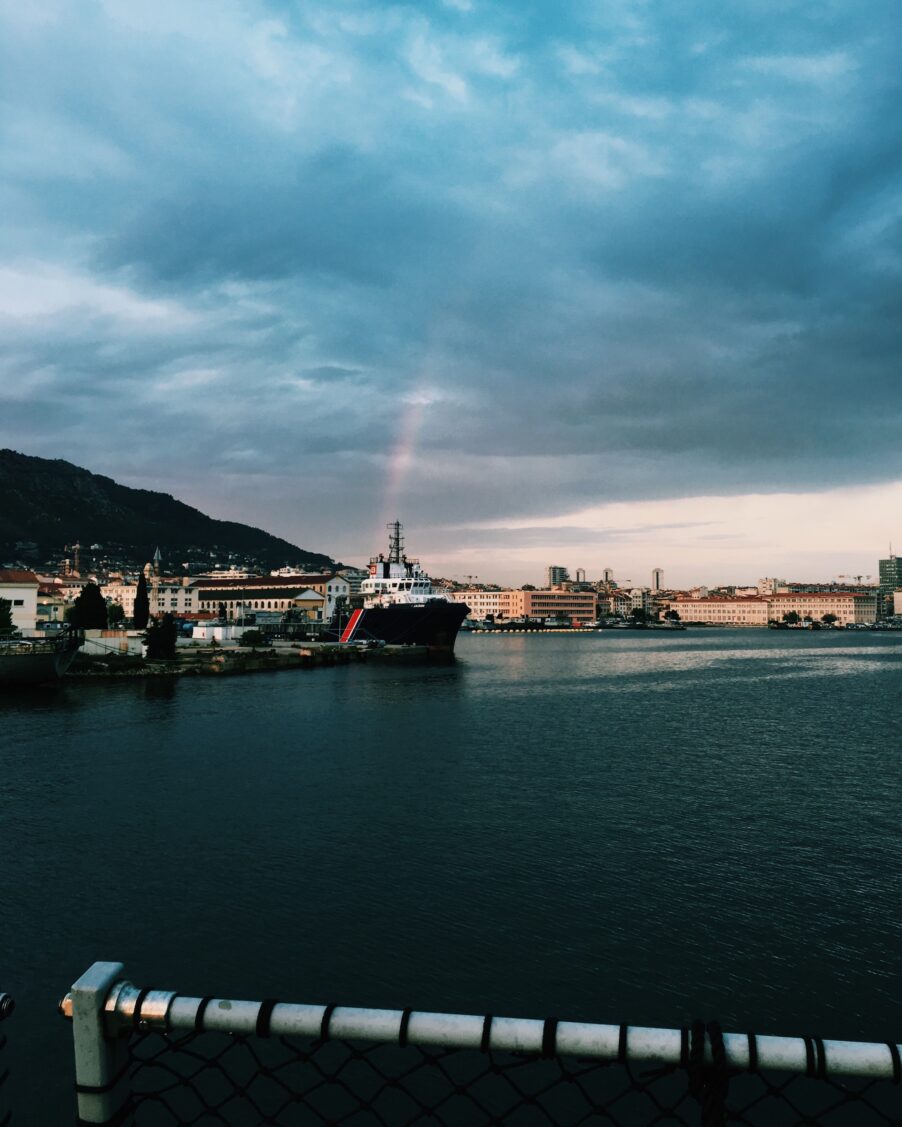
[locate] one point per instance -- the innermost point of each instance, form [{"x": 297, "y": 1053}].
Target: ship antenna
[{"x": 395, "y": 541}]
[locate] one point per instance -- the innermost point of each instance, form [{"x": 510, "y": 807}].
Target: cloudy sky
[{"x": 597, "y": 284}]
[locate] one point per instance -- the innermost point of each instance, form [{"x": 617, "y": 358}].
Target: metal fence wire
[
  {"x": 183, "y": 1060},
  {"x": 221, "y": 1078},
  {"x": 6, "y": 1008}
]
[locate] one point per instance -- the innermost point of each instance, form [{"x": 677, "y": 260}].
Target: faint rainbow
[{"x": 401, "y": 457}]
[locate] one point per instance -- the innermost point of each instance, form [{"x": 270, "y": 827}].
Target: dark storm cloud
[{"x": 611, "y": 252}]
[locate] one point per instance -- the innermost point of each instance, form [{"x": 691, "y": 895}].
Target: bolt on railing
[
  {"x": 106, "y": 1010},
  {"x": 7, "y": 1005}
]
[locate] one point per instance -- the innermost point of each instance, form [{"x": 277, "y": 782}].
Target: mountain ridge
[{"x": 52, "y": 503}]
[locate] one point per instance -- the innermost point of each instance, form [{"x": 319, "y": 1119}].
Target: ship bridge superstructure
[{"x": 395, "y": 577}]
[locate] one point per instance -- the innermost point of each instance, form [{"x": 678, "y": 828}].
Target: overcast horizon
[{"x": 593, "y": 285}]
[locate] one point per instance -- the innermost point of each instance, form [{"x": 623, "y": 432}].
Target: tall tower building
[
  {"x": 657, "y": 579},
  {"x": 890, "y": 579},
  {"x": 607, "y": 576},
  {"x": 554, "y": 575}
]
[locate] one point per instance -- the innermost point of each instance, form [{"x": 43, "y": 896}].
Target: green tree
[
  {"x": 253, "y": 638},
  {"x": 89, "y": 609},
  {"x": 791, "y": 618},
  {"x": 672, "y": 615},
  {"x": 829, "y": 619},
  {"x": 527, "y": 587},
  {"x": 160, "y": 637},
  {"x": 637, "y": 614},
  {"x": 141, "y": 613},
  {"x": 115, "y": 614},
  {"x": 6, "y": 618}
]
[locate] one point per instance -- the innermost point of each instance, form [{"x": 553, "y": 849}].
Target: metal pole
[
  {"x": 166, "y": 1011},
  {"x": 7, "y": 1005},
  {"x": 101, "y": 1052}
]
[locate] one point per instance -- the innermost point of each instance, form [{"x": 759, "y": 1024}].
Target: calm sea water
[{"x": 612, "y": 827}]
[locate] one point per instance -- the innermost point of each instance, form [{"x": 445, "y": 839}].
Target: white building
[
  {"x": 20, "y": 590},
  {"x": 170, "y": 596},
  {"x": 723, "y": 611},
  {"x": 848, "y": 607},
  {"x": 121, "y": 592}
]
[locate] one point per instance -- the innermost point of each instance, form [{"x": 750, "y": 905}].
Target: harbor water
[{"x": 622, "y": 826}]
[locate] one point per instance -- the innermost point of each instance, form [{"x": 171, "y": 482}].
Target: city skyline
[{"x": 611, "y": 286}]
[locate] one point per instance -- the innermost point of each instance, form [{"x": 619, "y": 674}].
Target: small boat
[{"x": 33, "y": 661}]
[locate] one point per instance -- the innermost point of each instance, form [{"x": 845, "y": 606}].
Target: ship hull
[
  {"x": 35, "y": 663},
  {"x": 433, "y": 624}
]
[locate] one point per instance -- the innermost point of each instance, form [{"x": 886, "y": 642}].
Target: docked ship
[
  {"x": 33, "y": 661},
  {"x": 400, "y": 606}
]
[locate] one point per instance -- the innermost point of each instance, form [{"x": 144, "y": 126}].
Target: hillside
[{"x": 52, "y": 503}]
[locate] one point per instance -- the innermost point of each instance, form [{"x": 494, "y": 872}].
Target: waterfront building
[
  {"x": 724, "y": 610},
  {"x": 484, "y": 604},
  {"x": 51, "y": 606},
  {"x": 174, "y": 596},
  {"x": 890, "y": 580},
  {"x": 849, "y": 607},
  {"x": 579, "y": 605},
  {"x": 555, "y": 576},
  {"x": 269, "y": 593},
  {"x": 641, "y": 599},
  {"x": 615, "y": 602},
  {"x": 72, "y": 586},
  {"x": 355, "y": 576},
  {"x": 20, "y": 590},
  {"x": 121, "y": 592}
]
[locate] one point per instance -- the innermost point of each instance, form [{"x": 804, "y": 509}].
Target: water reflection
[{"x": 601, "y": 827}]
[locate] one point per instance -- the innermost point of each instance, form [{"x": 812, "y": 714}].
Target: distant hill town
[{"x": 51, "y": 509}]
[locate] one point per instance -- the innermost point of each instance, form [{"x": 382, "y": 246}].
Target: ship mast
[{"x": 395, "y": 542}]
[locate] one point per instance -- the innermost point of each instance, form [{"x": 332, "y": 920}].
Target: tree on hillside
[
  {"x": 141, "y": 613},
  {"x": 6, "y": 618},
  {"x": 89, "y": 609},
  {"x": 160, "y": 637}
]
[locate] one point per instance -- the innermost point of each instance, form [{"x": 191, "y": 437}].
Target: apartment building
[
  {"x": 578, "y": 605},
  {"x": 740, "y": 610}
]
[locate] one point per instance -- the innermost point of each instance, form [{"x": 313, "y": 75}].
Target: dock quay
[
  {"x": 220, "y": 661},
  {"x": 149, "y": 1056}
]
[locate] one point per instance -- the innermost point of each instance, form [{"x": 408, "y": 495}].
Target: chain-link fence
[
  {"x": 6, "y": 1008},
  {"x": 154, "y": 1057}
]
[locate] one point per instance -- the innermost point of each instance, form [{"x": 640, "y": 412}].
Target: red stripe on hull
[{"x": 353, "y": 623}]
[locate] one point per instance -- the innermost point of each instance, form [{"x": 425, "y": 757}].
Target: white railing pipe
[{"x": 126, "y": 1007}]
